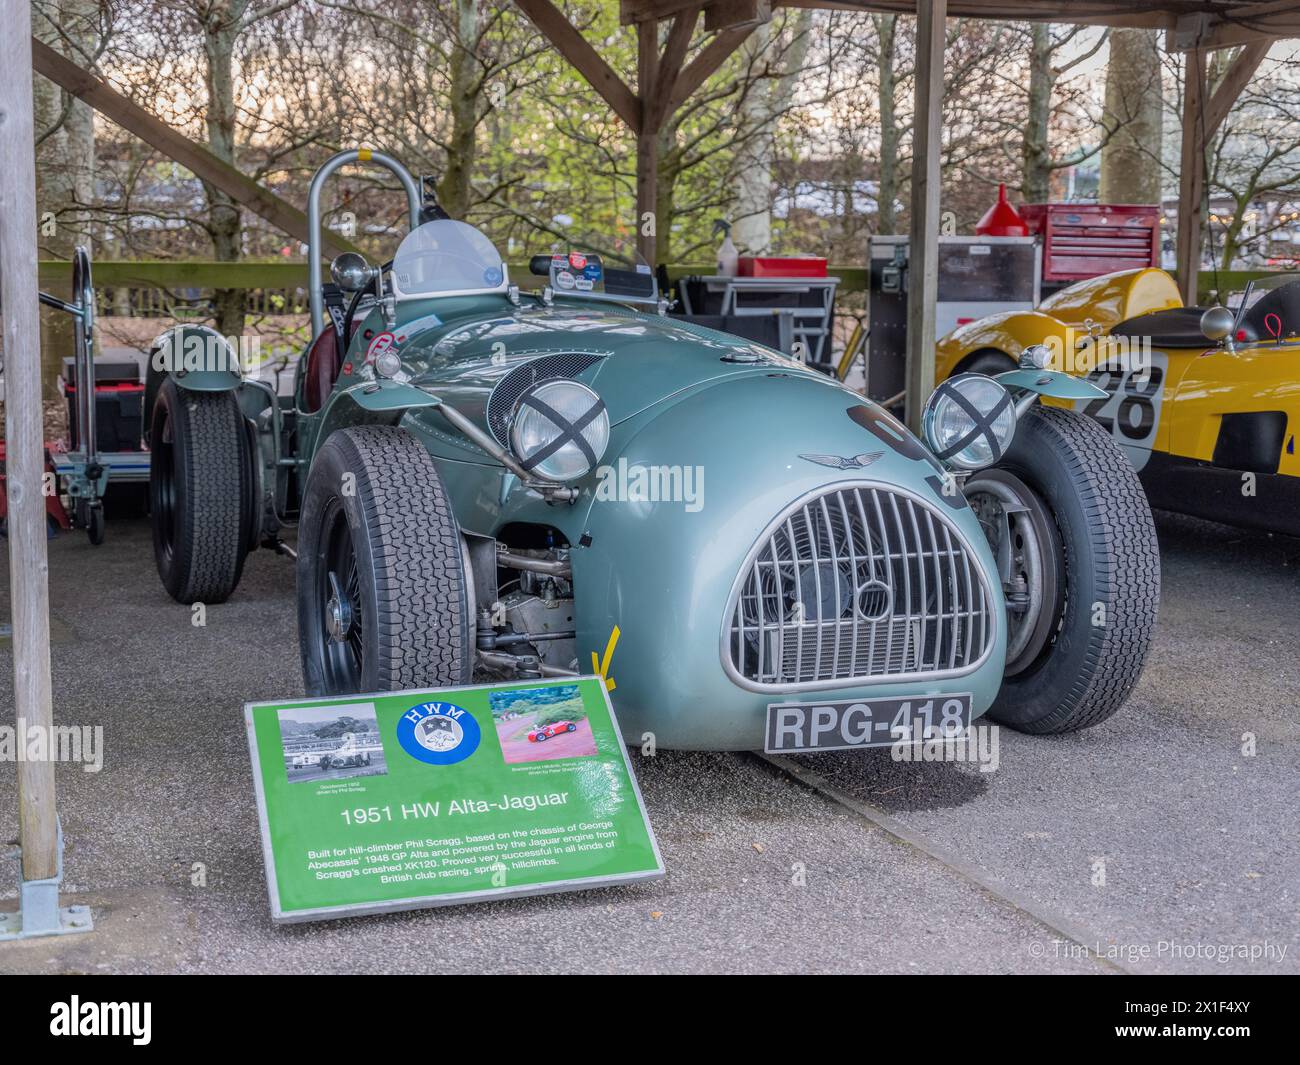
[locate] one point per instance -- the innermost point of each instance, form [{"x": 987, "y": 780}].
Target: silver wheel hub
[
  {"x": 338, "y": 613},
  {"x": 1013, "y": 519}
]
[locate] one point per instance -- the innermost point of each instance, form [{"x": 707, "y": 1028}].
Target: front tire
[
  {"x": 200, "y": 473},
  {"x": 1106, "y": 589},
  {"x": 383, "y": 599}
]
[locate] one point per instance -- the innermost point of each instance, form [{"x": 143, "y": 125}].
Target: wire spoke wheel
[
  {"x": 1030, "y": 560},
  {"x": 340, "y": 624},
  {"x": 1076, "y": 550},
  {"x": 383, "y": 589}
]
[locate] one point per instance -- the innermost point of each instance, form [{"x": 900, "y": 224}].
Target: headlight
[
  {"x": 559, "y": 430},
  {"x": 969, "y": 421}
]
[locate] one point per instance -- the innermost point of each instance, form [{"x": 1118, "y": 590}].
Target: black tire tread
[
  {"x": 414, "y": 543},
  {"x": 208, "y": 431},
  {"x": 1128, "y": 568}
]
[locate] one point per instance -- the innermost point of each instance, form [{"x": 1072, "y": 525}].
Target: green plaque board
[{"x": 401, "y": 800}]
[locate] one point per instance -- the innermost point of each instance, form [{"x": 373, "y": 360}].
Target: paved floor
[{"x": 1200, "y": 844}]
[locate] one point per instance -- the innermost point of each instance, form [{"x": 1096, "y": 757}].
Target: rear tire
[
  {"x": 383, "y": 598},
  {"x": 1111, "y": 565},
  {"x": 200, "y": 471}
]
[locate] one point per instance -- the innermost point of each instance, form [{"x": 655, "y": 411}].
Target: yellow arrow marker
[{"x": 602, "y": 667}]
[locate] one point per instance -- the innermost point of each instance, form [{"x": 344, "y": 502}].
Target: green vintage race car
[{"x": 491, "y": 484}]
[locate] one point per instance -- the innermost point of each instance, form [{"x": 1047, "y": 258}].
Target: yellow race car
[{"x": 1205, "y": 403}]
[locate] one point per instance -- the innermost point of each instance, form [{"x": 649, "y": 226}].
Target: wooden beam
[
  {"x": 633, "y": 11},
  {"x": 156, "y": 133},
  {"x": 29, "y": 592},
  {"x": 1229, "y": 89},
  {"x": 923, "y": 243},
  {"x": 670, "y": 66},
  {"x": 553, "y": 24},
  {"x": 726, "y": 14},
  {"x": 1269, "y": 20},
  {"x": 1084, "y": 12},
  {"x": 710, "y": 58},
  {"x": 1191, "y": 178},
  {"x": 647, "y": 141},
  {"x": 186, "y": 273}
]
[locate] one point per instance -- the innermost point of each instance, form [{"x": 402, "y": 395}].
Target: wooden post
[
  {"x": 24, "y": 438},
  {"x": 153, "y": 131},
  {"x": 1191, "y": 177},
  {"x": 647, "y": 141},
  {"x": 923, "y": 244}
]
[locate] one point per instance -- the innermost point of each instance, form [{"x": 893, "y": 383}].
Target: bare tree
[{"x": 1047, "y": 73}]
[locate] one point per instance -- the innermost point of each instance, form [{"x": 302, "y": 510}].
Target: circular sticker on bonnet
[{"x": 438, "y": 733}]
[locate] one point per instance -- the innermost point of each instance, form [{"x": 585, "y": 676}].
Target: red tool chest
[{"x": 1082, "y": 240}]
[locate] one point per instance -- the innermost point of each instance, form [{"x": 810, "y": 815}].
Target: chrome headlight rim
[
  {"x": 952, "y": 396},
  {"x": 566, "y": 433}
]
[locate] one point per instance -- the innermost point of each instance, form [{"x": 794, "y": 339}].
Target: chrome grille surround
[{"x": 889, "y": 586}]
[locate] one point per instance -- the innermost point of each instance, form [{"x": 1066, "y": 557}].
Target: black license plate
[{"x": 822, "y": 726}]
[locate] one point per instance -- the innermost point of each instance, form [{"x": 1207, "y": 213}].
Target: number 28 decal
[{"x": 1130, "y": 410}]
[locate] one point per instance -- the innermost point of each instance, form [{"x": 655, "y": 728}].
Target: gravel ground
[{"x": 1199, "y": 843}]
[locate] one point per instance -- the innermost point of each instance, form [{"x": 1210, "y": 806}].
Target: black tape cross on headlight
[
  {"x": 569, "y": 431},
  {"x": 983, "y": 424}
]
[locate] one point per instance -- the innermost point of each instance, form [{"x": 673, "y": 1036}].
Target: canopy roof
[{"x": 1190, "y": 23}]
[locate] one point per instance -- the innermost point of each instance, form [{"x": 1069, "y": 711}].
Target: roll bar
[{"x": 353, "y": 155}]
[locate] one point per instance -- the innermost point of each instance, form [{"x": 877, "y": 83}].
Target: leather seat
[
  {"x": 1177, "y": 327},
  {"x": 323, "y": 367}
]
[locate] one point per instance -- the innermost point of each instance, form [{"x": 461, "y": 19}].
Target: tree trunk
[
  {"x": 454, "y": 188},
  {"x": 756, "y": 125},
  {"x": 887, "y": 192},
  {"x": 752, "y": 185},
  {"x": 670, "y": 168},
  {"x": 1036, "y": 175},
  {"x": 65, "y": 176},
  {"x": 221, "y": 30},
  {"x": 1130, "y": 159}
]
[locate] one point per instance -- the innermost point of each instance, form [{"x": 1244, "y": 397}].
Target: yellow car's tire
[
  {"x": 1111, "y": 564},
  {"x": 990, "y": 363}
]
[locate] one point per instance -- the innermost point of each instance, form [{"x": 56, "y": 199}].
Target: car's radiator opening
[{"x": 853, "y": 584}]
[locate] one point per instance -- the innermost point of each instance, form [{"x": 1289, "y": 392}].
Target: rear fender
[{"x": 196, "y": 357}]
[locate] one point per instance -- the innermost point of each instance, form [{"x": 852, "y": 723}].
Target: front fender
[
  {"x": 1050, "y": 383},
  {"x": 382, "y": 402}
]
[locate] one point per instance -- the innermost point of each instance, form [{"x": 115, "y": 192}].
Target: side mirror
[
  {"x": 1216, "y": 323},
  {"x": 351, "y": 272}
]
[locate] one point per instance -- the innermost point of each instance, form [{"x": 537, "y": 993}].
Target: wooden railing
[{"x": 158, "y": 288}]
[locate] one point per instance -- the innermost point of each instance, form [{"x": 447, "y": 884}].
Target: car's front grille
[{"x": 855, "y": 583}]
